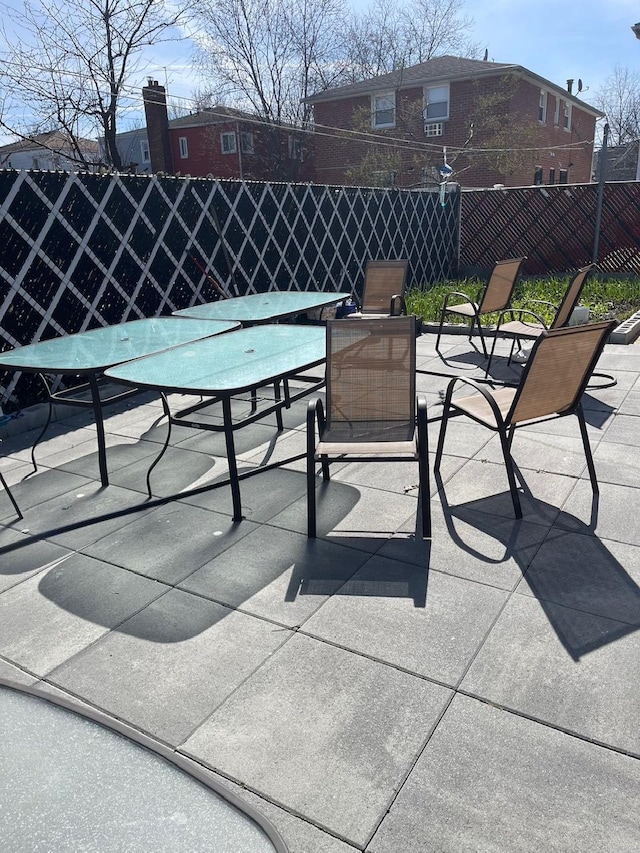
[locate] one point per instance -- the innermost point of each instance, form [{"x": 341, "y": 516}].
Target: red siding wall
[{"x": 335, "y": 156}]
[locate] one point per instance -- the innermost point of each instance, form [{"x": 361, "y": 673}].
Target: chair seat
[
  {"x": 379, "y": 438},
  {"x": 477, "y": 407},
  {"x": 368, "y": 448},
  {"x": 465, "y": 309},
  {"x": 520, "y": 329}
]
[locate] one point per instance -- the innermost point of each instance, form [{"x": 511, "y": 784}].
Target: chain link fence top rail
[
  {"x": 78, "y": 251},
  {"x": 553, "y": 226}
]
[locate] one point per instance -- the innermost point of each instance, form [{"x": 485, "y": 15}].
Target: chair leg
[
  {"x": 587, "y": 450},
  {"x": 443, "y": 429},
  {"x": 479, "y": 325},
  {"x": 505, "y": 441},
  {"x": 493, "y": 349},
  {"x": 442, "y": 316},
  {"x": 423, "y": 468},
  {"x": 311, "y": 473},
  {"x": 11, "y": 497}
]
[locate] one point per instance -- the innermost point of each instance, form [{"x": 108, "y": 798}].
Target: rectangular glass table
[
  {"x": 262, "y": 307},
  {"x": 222, "y": 367},
  {"x": 89, "y": 354}
]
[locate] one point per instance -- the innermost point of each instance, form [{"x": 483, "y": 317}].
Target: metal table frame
[
  {"x": 230, "y": 381},
  {"x": 89, "y": 354}
]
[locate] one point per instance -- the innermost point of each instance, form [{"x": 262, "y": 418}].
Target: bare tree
[
  {"x": 619, "y": 100},
  {"x": 388, "y": 36},
  {"x": 265, "y": 56},
  {"x": 68, "y": 63}
]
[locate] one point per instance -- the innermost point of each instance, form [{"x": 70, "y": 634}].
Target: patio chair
[
  {"x": 383, "y": 291},
  {"x": 372, "y": 412},
  {"x": 517, "y": 328},
  {"x": 5, "y": 485},
  {"x": 552, "y": 385},
  {"x": 496, "y": 296}
]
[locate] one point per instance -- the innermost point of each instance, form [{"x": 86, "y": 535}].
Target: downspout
[{"x": 239, "y": 138}]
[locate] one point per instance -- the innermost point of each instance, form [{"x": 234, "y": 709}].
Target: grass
[{"x": 605, "y": 297}]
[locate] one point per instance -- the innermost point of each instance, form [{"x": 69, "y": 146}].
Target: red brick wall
[
  {"x": 206, "y": 157},
  {"x": 414, "y": 152}
]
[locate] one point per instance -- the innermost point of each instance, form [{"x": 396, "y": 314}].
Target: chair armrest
[
  {"x": 458, "y": 293},
  {"x": 448, "y": 402},
  {"x": 315, "y": 414},
  {"x": 397, "y": 305},
  {"x": 521, "y": 312}
]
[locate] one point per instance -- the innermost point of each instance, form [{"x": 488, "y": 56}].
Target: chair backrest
[
  {"x": 382, "y": 281},
  {"x": 371, "y": 378},
  {"x": 571, "y": 296},
  {"x": 558, "y": 370},
  {"x": 499, "y": 289}
]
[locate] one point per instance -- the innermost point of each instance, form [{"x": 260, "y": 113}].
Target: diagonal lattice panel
[
  {"x": 554, "y": 226},
  {"x": 79, "y": 251}
]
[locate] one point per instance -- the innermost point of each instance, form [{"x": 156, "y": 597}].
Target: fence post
[{"x": 602, "y": 177}]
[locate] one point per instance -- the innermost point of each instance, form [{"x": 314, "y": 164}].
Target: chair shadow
[{"x": 586, "y": 593}]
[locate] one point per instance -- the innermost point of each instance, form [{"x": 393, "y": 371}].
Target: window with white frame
[
  {"x": 437, "y": 103},
  {"x": 383, "y": 108},
  {"x": 145, "y": 153},
  {"x": 566, "y": 115},
  {"x": 228, "y": 142},
  {"x": 542, "y": 106},
  {"x": 184, "y": 147},
  {"x": 246, "y": 142}
]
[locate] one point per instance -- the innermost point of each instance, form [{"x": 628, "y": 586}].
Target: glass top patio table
[
  {"x": 227, "y": 365},
  {"x": 97, "y": 349},
  {"x": 262, "y": 307},
  {"x": 89, "y": 353}
]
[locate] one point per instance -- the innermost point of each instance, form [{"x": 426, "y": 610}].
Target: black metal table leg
[
  {"x": 231, "y": 458},
  {"x": 97, "y": 414}
]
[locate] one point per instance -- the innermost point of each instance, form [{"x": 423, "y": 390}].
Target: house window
[
  {"x": 228, "y": 142},
  {"x": 383, "y": 108},
  {"x": 295, "y": 148},
  {"x": 542, "y": 106},
  {"x": 566, "y": 115},
  {"x": 184, "y": 148},
  {"x": 145, "y": 153},
  {"x": 246, "y": 143},
  {"x": 556, "y": 115},
  {"x": 562, "y": 177},
  {"x": 434, "y": 128},
  {"x": 552, "y": 176},
  {"x": 437, "y": 103}
]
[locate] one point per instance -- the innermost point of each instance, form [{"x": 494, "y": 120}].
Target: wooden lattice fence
[{"x": 554, "y": 226}]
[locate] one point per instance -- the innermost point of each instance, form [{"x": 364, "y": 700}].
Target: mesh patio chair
[
  {"x": 372, "y": 412},
  {"x": 552, "y": 385},
  {"x": 525, "y": 324},
  {"x": 5, "y": 486},
  {"x": 383, "y": 291},
  {"x": 496, "y": 296}
]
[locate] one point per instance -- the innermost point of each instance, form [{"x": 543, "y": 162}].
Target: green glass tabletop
[
  {"x": 87, "y": 352},
  {"x": 260, "y": 307},
  {"x": 228, "y": 363}
]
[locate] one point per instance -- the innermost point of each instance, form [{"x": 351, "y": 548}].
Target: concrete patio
[{"x": 367, "y": 690}]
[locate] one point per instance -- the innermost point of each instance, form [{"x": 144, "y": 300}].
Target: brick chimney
[{"x": 155, "y": 108}]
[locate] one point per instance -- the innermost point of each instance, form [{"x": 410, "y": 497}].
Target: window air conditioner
[{"x": 435, "y": 128}]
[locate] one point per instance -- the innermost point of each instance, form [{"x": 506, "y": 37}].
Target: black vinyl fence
[{"x": 78, "y": 251}]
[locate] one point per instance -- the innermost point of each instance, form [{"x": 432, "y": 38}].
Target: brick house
[
  {"x": 499, "y": 124},
  {"x": 222, "y": 142}
]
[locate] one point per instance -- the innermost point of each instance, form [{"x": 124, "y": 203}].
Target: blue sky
[{"x": 557, "y": 39}]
